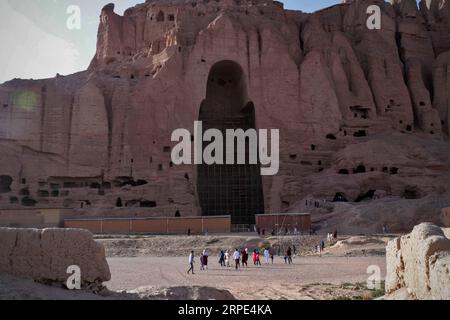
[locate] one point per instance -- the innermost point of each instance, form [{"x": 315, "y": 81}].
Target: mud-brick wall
[{"x": 197, "y": 225}]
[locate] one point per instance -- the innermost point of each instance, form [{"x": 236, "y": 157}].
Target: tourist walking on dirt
[
  {"x": 237, "y": 258},
  {"x": 254, "y": 257},
  {"x": 222, "y": 258},
  {"x": 227, "y": 258},
  {"x": 258, "y": 258},
  {"x": 191, "y": 262},
  {"x": 205, "y": 258},
  {"x": 289, "y": 255},
  {"x": 266, "y": 255},
  {"x": 202, "y": 261},
  {"x": 244, "y": 254},
  {"x": 271, "y": 255}
]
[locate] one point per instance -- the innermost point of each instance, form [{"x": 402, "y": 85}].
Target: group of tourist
[
  {"x": 239, "y": 258},
  {"x": 332, "y": 236},
  {"x": 280, "y": 231},
  {"x": 315, "y": 203}
]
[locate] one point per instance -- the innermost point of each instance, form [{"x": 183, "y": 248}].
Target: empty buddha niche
[{"x": 229, "y": 189}]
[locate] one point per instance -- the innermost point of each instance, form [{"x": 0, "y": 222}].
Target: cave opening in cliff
[
  {"x": 5, "y": 184},
  {"x": 225, "y": 189},
  {"x": 160, "y": 17}
]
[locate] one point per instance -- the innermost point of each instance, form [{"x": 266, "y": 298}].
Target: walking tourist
[
  {"x": 227, "y": 258},
  {"x": 202, "y": 261},
  {"x": 289, "y": 255},
  {"x": 258, "y": 258},
  {"x": 222, "y": 258},
  {"x": 237, "y": 258},
  {"x": 205, "y": 258},
  {"x": 266, "y": 256},
  {"x": 244, "y": 257},
  {"x": 191, "y": 262}
]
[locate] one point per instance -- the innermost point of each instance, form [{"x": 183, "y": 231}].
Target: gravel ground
[{"x": 278, "y": 281}]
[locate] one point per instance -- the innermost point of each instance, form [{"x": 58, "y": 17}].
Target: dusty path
[{"x": 278, "y": 281}]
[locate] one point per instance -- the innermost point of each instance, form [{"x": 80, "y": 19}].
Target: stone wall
[
  {"x": 44, "y": 255},
  {"x": 418, "y": 264}
]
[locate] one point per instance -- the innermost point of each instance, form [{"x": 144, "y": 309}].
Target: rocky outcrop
[
  {"x": 45, "y": 255},
  {"x": 445, "y": 217},
  {"x": 441, "y": 80},
  {"x": 418, "y": 264},
  {"x": 427, "y": 116},
  {"x": 437, "y": 16}
]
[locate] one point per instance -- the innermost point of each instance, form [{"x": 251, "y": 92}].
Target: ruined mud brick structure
[{"x": 361, "y": 112}]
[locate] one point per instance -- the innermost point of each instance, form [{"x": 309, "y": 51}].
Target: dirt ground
[
  {"x": 306, "y": 278},
  {"x": 154, "y": 267},
  {"x": 161, "y": 262}
]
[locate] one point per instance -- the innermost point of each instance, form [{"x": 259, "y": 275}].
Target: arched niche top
[{"x": 227, "y": 88}]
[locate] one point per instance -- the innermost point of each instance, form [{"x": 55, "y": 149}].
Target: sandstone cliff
[{"x": 361, "y": 112}]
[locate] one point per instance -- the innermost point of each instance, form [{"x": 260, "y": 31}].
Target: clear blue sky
[
  {"x": 308, "y": 5},
  {"x": 28, "y": 28}
]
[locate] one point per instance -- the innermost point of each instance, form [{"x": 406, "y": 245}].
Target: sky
[{"x": 37, "y": 41}]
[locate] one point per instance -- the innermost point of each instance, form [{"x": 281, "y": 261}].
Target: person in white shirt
[
  {"x": 237, "y": 258},
  {"x": 266, "y": 256},
  {"x": 191, "y": 262},
  {"x": 227, "y": 258}
]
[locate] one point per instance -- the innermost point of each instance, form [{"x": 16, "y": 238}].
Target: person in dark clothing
[
  {"x": 244, "y": 255},
  {"x": 322, "y": 245},
  {"x": 254, "y": 257},
  {"x": 205, "y": 255},
  {"x": 222, "y": 258},
  {"x": 202, "y": 262},
  {"x": 289, "y": 255},
  {"x": 189, "y": 232}
]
